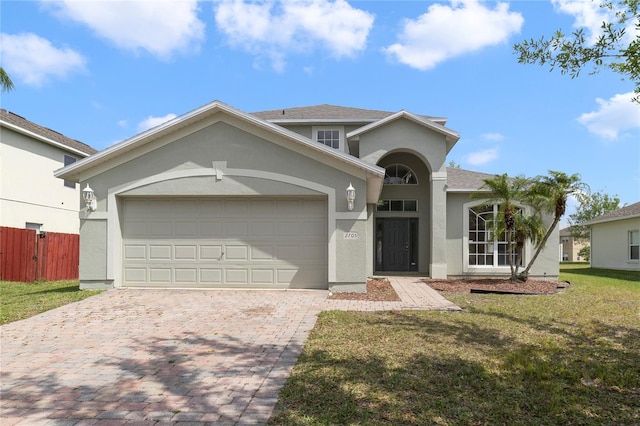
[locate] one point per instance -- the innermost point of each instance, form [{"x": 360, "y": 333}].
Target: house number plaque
[{"x": 350, "y": 235}]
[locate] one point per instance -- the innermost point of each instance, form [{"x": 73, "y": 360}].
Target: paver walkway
[
  {"x": 166, "y": 356},
  {"x": 413, "y": 292}
]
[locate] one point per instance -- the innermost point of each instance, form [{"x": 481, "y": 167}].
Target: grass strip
[{"x": 23, "y": 300}]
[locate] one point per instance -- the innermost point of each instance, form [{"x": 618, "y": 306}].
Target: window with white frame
[
  {"x": 399, "y": 174},
  {"x": 634, "y": 245},
  {"x": 331, "y": 137},
  {"x": 486, "y": 248}
]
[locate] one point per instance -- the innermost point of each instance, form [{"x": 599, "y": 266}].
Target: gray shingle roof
[
  {"x": 16, "y": 120},
  {"x": 461, "y": 179},
  {"x": 329, "y": 112},
  {"x": 626, "y": 212}
]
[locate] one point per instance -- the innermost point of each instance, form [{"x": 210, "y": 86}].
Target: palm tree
[
  {"x": 5, "y": 81},
  {"x": 507, "y": 193},
  {"x": 528, "y": 227},
  {"x": 549, "y": 194}
]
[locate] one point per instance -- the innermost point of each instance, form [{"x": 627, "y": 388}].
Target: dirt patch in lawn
[
  {"x": 378, "y": 290},
  {"x": 496, "y": 285}
]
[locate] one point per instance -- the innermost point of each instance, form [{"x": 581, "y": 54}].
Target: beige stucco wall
[
  {"x": 545, "y": 266},
  {"x": 610, "y": 245},
  {"x": 28, "y": 190},
  {"x": 571, "y": 248},
  {"x": 220, "y": 159}
]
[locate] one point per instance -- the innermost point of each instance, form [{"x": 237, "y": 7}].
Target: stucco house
[
  {"x": 615, "y": 239},
  {"x": 30, "y": 195},
  {"x": 308, "y": 197},
  {"x": 570, "y": 246}
]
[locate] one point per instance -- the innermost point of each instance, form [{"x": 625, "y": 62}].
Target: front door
[{"x": 397, "y": 244}]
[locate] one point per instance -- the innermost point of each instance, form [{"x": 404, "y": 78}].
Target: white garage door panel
[{"x": 270, "y": 243}]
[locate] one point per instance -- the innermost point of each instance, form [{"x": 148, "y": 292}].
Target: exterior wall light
[
  {"x": 351, "y": 196},
  {"x": 89, "y": 198}
]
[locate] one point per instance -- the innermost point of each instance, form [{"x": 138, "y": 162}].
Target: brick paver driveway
[{"x": 153, "y": 356}]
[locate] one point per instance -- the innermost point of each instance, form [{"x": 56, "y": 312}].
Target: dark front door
[{"x": 397, "y": 244}]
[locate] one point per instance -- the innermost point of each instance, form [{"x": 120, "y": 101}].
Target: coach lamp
[
  {"x": 89, "y": 198},
  {"x": 351, "y": 196}
]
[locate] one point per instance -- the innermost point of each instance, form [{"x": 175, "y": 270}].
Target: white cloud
[
  {"x": 159, "y": 27},
  {"x": 494, "y": 136},
  {"x": 123, "y": 123},
  {"x": 482, "y": 157},
  {"x": 590, "y": 16},
  {"x": 150, "y": 122},
  {"x": 274, "y": 29},
  {"x": 34, "y": 60},
  {"x": 614, "y": 116},
  {"x": 444, "y": 32}
]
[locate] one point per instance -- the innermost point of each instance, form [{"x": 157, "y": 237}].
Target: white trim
[
  {"x": 114, "y": 227},
  {"x": 629, "y": 245},
  {"x": 341, "y": 140},
  {"x": 43, "y": 139},
  {"x": 73, "y": 170},
  {"x": 451, "y": 136},
  {"x": 611, "y": 219},
  {"x": 485, "y": 269}
]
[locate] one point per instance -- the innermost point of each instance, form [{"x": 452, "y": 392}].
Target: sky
[{"x": 103, "y": 71}]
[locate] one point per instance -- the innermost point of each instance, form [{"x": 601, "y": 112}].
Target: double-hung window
[
  {"x": 329, "y": 136},
  {"x": 634, "y": 245}
]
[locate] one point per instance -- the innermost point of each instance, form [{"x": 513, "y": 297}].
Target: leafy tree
[
  {"x": 585, "y": 253},
  {"x": 5, "y": 81},
  {"x": 549, "y": 194},
  {"x": 453, "y": 165},
  {"x": 590, "y": 206},
  {"x": 614, "y": 49}
]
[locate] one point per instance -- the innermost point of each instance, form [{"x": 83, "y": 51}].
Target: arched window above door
[{"x": 399, "y": 174}]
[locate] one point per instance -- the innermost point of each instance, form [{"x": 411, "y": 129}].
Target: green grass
[
  {"x": 23, "y": 300},
  {"x": 572, "y": 358}
]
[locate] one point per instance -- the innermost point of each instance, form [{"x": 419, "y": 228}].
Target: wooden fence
[{"x": 28, "y": 256}]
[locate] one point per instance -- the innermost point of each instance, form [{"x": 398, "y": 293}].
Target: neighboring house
[
  {"x": 310, "y": 197},
  {"x": 570, "y": 247},
  {"x": 30, "y": 195},
  {"x": 615, "y": 239}
]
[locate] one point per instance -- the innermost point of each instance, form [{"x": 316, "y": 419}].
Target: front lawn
[
  {"x": 562, "y": 359},
  {"x": 23, "y": 300}
]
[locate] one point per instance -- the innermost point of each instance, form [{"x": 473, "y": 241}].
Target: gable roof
[
  {"x": 20, "y": 124},
  {"x": 329, "y": 113},
  {"x": 451, "y": 136},
  {"x": 74, "y": 171},
  {"x": 627, "y": 212},
  {"x": 461, "y": 180}
]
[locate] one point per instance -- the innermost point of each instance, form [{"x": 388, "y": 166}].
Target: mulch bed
[
  {"x": 496, "y": 285},
  {"x": 380, "y": 290}
]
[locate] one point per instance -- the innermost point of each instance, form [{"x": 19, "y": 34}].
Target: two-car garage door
[{"x": 231, "y": 242}]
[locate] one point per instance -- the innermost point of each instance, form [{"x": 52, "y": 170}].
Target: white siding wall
[{"x": 610, "y": 245}]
